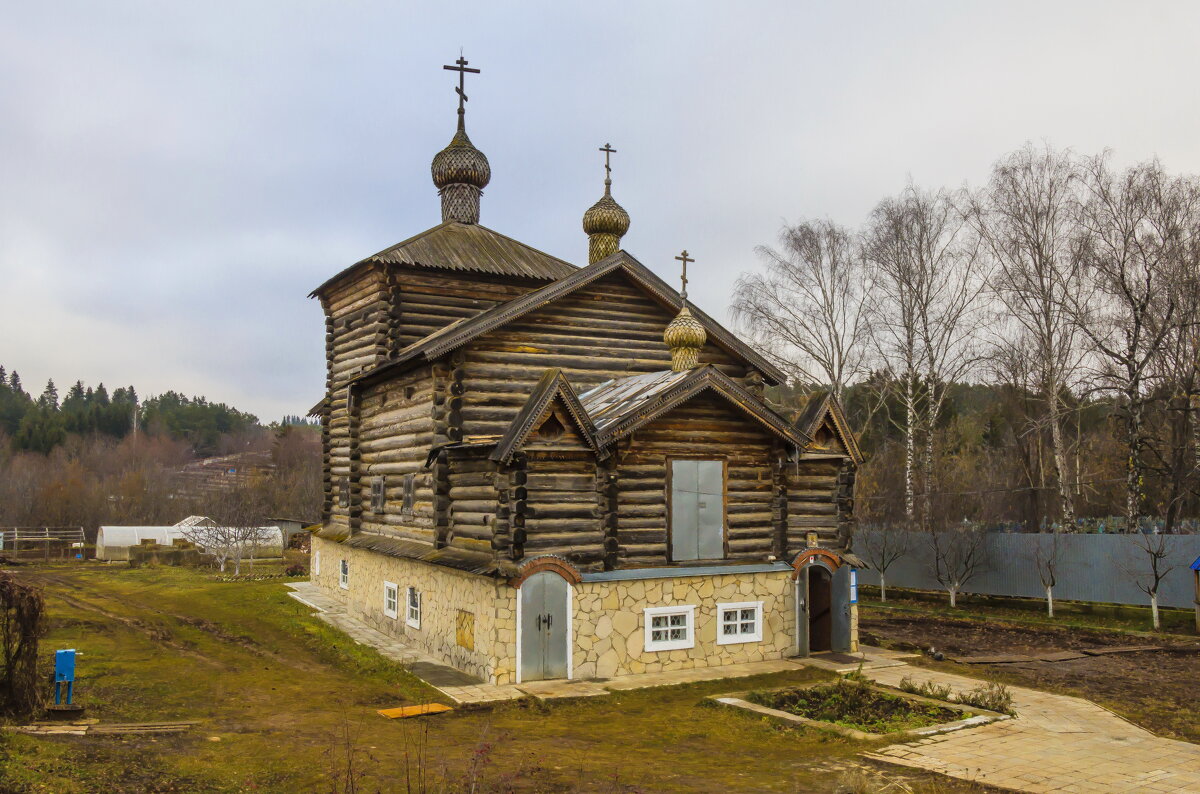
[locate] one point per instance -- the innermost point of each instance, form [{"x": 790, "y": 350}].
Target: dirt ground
[
  {"x": 1158, "y": 690},
  {"x": 285, "y": 703}
]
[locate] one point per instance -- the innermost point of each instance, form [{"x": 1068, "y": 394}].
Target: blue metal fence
[{"x": 1092, "y": 567}]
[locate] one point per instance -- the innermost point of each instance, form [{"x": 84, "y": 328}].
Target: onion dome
[
  {"x": 685, "y": 336},
  {"x": 460, "y": 172},
  {"x": 606, "y": 221}
]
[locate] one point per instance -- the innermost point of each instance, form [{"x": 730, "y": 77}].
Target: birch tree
[
  {"x": 1027, "y": 218},
  {"x": 807, "y": 312},
  {"x": 1132, "y": 228},
  {"x": 928, "y": 281}
]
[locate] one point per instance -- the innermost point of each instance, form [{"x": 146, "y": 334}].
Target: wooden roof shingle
[{"x": 466, "y": 247}]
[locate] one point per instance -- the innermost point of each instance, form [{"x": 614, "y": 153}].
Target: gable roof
[
  {"x": 467, "y": 247},
  {"x": 820, "y": 406},
  {"x": 551, "y": 385},
  {"x": 462, "y": 331},
  {"x": 620, "y": 406}
]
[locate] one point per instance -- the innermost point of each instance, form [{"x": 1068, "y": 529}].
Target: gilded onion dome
[
  {"x": 606, "y": 221},
  {"x": 685, "y": 336},
  {"x": 460, "y": 172}
]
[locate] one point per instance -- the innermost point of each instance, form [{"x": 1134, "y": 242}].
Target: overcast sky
[{"x": 176, "y": 177}]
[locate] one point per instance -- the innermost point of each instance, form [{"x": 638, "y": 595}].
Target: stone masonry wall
[
  {"x": 444, "y": 593},
  {"x": 609, "y": 622}
]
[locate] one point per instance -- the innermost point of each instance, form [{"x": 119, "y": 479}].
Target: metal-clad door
[
  {"x": 711, "y": 541},
  {"x": 840, "y": 605},
  {"x": 685, "y": 507},
  {"x": 697, "y": 509},
  {"x": 543, "y": 627}
]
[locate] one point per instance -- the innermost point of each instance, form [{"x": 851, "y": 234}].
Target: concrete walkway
[{"x": 1055, "y": 744}]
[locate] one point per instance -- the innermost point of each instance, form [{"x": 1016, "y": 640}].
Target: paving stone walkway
[{"x": 1055, "y": 744}]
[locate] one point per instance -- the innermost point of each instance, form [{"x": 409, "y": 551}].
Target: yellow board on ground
[{"x": 414, "y": 711}]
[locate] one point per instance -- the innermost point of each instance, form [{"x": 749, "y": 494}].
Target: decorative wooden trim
[
  {"x": 546, "y": 562},
  {"x": 553, "y": 385},
  {"x": 830, "y": 558}
]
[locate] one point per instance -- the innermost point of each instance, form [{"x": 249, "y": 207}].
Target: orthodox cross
[
  {"x": 608, "y": 150},
  {"x": 684, "y": 258},
  {"x": 462, "y": 70}
]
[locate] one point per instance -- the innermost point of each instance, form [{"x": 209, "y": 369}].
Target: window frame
[
  {"x": 379, "y": 494},
  {"x": 412, "y": 614},
  {"x": 408, "y": 500},
  {"x": 654, "y": 646},
  {"x": 392, "y": 589},
  {"x": 740, "y": 637},
  {"x": 670, "y": 476},
  {"x": 344, "y": 574}
]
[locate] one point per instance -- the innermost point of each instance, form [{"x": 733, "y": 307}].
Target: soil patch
[{"x": 855, "y": 704}]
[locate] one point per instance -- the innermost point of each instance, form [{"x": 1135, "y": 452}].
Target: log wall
[
  {"x": 564, "y": 513},
  {"x": 813, "y": 488},
  {"x": 703, "y": 427},
  {"x": 395, "y": 433},
  {"x": 607, "y": 330}
]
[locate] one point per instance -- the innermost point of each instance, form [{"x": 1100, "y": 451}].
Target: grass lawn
[{"x": 286, "y": 703}]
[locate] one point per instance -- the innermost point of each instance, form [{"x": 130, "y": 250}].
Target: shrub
[
  {"x": 992, "y": 696},
  {"x": 295, "y": 570}
]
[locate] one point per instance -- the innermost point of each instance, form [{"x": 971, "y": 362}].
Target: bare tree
[
  {"x": 1048, "y": 559},
  {"x": 928, "y": 281},
  {"x": 1027, "y": 218},
  {"x": 882, "y": 548},
  {"x": 958, "y": 555},
  {"x": 1133, "y": 228},
  {"x": 1148, "y": 564},
  {"x": 807, "y": 311}
]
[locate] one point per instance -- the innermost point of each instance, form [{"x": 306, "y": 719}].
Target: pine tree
[{"x": 49, "y": 398}]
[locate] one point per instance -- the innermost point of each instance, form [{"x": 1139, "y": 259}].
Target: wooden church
[{"x": 535, "y": 470}]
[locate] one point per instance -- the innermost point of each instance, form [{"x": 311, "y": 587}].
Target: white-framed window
[
  {"x": 670, "y": 628},
  {"x": 316, "y": 563},
  {"x": 412, "y": 611},
  {"x": 344, "y": 575},
  {"x": 391, "y": 599},
  {"x": 740, "y": 622}
]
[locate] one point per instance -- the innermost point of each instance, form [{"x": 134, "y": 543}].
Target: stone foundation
[{"x": 608, "y": 622}]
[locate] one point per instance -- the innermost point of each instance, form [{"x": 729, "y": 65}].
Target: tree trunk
[
  {"x": 1154, "y": 611},
  {"x": 953, "y": 597},
  {"x": 883, "y": 594},
  {"x": 931, "y": 414},
  {"x": 1133, "y": 468},
  {"x": 1050, "y": 601},
  {"x": 909, "y": 445},
  {"x": 1060, "y": 462}
]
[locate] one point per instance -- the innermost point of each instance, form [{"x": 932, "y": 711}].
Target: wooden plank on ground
[
  {"x": 1124, "y": 649},
  {"x": 1060, "y": 656},
  {"x": 1002, "y": 658},
  {"x": 414, "y": 711}
]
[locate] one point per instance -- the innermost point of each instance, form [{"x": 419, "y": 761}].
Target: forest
[
  {"x": 1021, "y": 355},
  {"x": 91, "y": 458}
]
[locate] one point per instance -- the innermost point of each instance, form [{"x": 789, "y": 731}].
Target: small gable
[
  {"x": 823, "y": 422},
  {"x": 551, "y": 419}
]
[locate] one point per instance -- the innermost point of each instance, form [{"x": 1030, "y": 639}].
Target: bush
[
  {"x": 295, "y": 570},
  {"x": 992, "y": 696}
]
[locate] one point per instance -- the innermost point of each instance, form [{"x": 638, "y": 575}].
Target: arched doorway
[
  {"x": 544, "y": 618},
  {"x": 820, "y": 608}
]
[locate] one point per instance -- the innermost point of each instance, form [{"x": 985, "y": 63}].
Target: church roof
[
  {"x": 467, "y": 247},
  {"x": 820, "y": 406},
  {"x": 620, "y": 406},
  {"x": 553, "y": 384},
  {"x": 463, "y": 331}
]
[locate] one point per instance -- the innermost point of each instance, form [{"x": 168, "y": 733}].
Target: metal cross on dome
[
  {"x": 462, "y": 70},
  {"x": 684, "y": 258},
  {"x": 608, "y": 150}
]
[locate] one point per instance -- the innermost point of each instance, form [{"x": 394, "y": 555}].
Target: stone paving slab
[{"x": 1056, "y": 743}]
